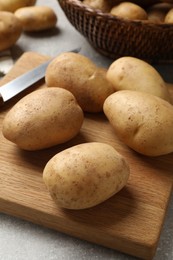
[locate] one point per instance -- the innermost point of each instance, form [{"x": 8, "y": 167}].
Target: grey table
[{"x": 21, "y": 240}]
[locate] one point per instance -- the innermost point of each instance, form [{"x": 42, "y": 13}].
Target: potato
[
  {"x": 36, "y": 18},
  {"x": 142, "y": 121},
  {"x": 130, "y": 11},
  {"x": 82, "y": 77},
  {"x": 42, "y": 119},
  {"x": 169, "y": 16},
  {"x": 156, "y": 13},
  {"x": 85, "y": 175},
  {"x": 134, "y": 74},
  {"x": 102, "y": 5},
  {"x": 13, "y": 5},
  {"x": 10, "y": 30}
]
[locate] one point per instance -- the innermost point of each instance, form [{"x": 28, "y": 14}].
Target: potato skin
[
  {"x": 102, "y": 5},
  {"x": 13, "y": 5},
  {"x": 82, "y": 77},
  {"x": 36, "y": 18},
  {"x": 142, "y": 121},
  {"x": 130, "y": 11},
  {"x": 129, "y": 73},
  {"x": 169, "y": 16},
  {"x": 85, "y": 175},
  {"x": 10, "y": 30},
  {"x": 42, "y": 119}
]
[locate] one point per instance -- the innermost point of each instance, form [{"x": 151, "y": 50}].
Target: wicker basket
[{"x": 115, "y": 37}]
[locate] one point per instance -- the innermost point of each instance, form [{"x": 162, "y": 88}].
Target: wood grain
[{"x": 130, "y": 221}]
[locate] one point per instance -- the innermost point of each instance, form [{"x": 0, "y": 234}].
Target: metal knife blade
[{"x": 24, "y": 81}]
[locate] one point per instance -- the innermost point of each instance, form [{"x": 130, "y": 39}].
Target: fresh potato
[
  {"x": 102, "y": 5},
  {"x": 130, "y": 11},
  {"x": 82, "y": 77},
  {"x": 142, "y": 121},
  {"x": 10, "y": 30},
  {"x": 13, "y": 5},
  {"x": 85, "y": 175},
  {"x": 134, "y": 74},
  {"x": 42, "y": 119},
  {"x": 36, "y": 18},
  {"x": 169, "y": 16},
  {"x": 156, "y": 13}
]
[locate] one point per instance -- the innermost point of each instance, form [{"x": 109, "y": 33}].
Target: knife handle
[{"x": 1, "y": 100}]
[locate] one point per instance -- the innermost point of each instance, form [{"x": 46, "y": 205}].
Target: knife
[{"x": 24, "y": 81}]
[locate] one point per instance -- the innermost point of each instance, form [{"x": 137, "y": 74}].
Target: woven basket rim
[{"x": 105, "y": 16}]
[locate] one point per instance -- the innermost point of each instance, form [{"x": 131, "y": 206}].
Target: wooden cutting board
[{"x": 130, "y": 221}]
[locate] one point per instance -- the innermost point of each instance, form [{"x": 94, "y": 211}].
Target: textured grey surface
[{"x": 21, "y": 240}]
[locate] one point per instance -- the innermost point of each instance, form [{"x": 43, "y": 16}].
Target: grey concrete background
[{"x": 21, "y": 240}]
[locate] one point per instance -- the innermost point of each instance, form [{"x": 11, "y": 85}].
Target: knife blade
[{"x": 16, "y": 86}]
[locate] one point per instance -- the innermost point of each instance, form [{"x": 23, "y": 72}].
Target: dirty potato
[
  {"x": 85, "y": 175},
  {"x": 128, "y": 10},
  {"x": 10, "y": 30},
  {"x": 142, "y": 121},
  {"x": 36, "y": 18},
  {"x": 82, "y": 77},
  {"x": 134, "y": 74},
  {"x": 13, "y": 5},
  {"x": 42, "y": 119}
]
